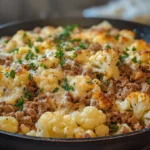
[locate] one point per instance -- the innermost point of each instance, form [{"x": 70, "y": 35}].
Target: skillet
[{"x": 135, "y": 140}]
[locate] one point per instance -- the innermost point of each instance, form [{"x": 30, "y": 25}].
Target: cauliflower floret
[
  {"x": 139, "y": 102},
  {"x": 48, "y": 78},
  {"x": 102, "y": 130},
  {"x": 9, "y": 124},
  {"x": 12, "y": 89},
  {"x": 105, "y": 62},
  {"x": 55, "y": 125},
  {"x": 123, "y": 128},
  {"x": 78, "y": 82},
  {"x": 123, "y": 105},
  {"x": 90, "y": 117}
]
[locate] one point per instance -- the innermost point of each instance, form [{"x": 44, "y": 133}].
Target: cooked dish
[{"x": 70, "y": 82}]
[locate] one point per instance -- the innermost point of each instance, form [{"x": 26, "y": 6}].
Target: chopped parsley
[
  {"x": 12, "y": 73},
  {"x": 113, "y": 127},
  {"x": 30, "y": 44},
  {"x": 55, "y": 90},
  {"x": 66, "y": 33},
  {"x": 108, "y": 46},
  {"x": 15, "y": 50},
  {"x": 136, "y": 61},
  {"x": 6, "y": 41},
  {"x": 32, "y": 66},
  {"x": 75, "y": 40},
  {"x": 39, "y": 39},
  {"x": 148, "y": 81},
  {"x": 20, "y": 103},
  {"x": 27, "y": 94},
  {"x": 117, "y": 37},
  {"x": 40, "y": 90},
  {"x": 82, "y": 46},
  {"x": 20, "y": 61},
  {"x": 30, "y": 77},
  {"x": 89, "y": 82},
  {"x": 123, "y": 56},
  {"x": 29, "y": 55},
  {"x": 133, "y": 49},
  {"x": 66, "y": 86},
  {"x": 127, "y": 49},
  {"x": 74, "y": 55},
  {"x": 44, "y": 66},
  {"x": 59, "y": 54},
  {"x": 36, "y": 49}
]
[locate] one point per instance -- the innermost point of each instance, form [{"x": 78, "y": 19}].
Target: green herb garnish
[
  {"x": 32, "y": 66},
  {"x": 55, "y": 90},
  {"x": 66, "y": 86},
  {"x": 133, "y": 49},
  {"x": 37, "y": 49},
  {"x": 117, "y": 37},
  {"x": 123, "y": 56},
  {"x": 39, "y": 39},
  {"x": 108, "y": 46},
  {"x": 20, "y": 61},
  {"x": 30, "y": 77},
  {"x": 12, "y": 74},
  {"x": 113, "y": 127},
  {"x": 29, "y": 55},
  {"x": 27, "y": 94},
  {"x": 136, "y": 61},
  {"x": 20, "y": 103},
  {"x": 15, "y": 50},
  {"x": 30, "y": 44},
  {"x": 148, "y": 81}
]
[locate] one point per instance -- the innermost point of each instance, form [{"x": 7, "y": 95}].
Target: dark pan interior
[
  {"x": 129, "y": 140},
  {"x": 142, "y": 31}
]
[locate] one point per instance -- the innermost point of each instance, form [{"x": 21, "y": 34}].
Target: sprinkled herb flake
[
  {"x": 136, "y": 61},
  {"x": 133, "y": 49},
  {"x": 108, "y": 46},
  {"x": 32, "y": 66},
  {"x": 20, "y": 103},
  {"x": 15, "y": 50},
  {"x": 148, "y": 81},
  {"x": 113, "y": 127},
  {"x": 20, "y": 61},
  {"x": 30, "y": 44},
  {"x": 123, "y": 56},
  {"x": 55, "y": 90},
  {"x": 117, "y": 37},
  {"x": 29, "y": 55},
  {"x": 39, "y": 39},
  {"x": 36, "y": 49},
  {"x": 12, "y": 74},
  {"x": 27, "y": 94},
  {"x": 66, "y": 86},
  {"x": 30, "y": 77}
]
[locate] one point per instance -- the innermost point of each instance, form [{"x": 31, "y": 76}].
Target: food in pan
[{"x": 71, "y": 82}]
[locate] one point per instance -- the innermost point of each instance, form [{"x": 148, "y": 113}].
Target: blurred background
[{"x": 136, "y": 10}]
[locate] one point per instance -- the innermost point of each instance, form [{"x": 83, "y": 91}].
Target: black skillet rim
[{"x": 74, "y": 140}]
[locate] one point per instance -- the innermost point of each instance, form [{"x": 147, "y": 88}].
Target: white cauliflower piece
[
  {"x": 55, "y": 125},
  {"x": 105, "y": 62},
  {"x": 9, "y": 124},
  {"x": 140, "y": 103},
  {"x": 102, "y": 130},
  {"x": 123, "y": 105},
  {"x": 123, "y": 128},
  {"x": 90, "y": 117}
]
